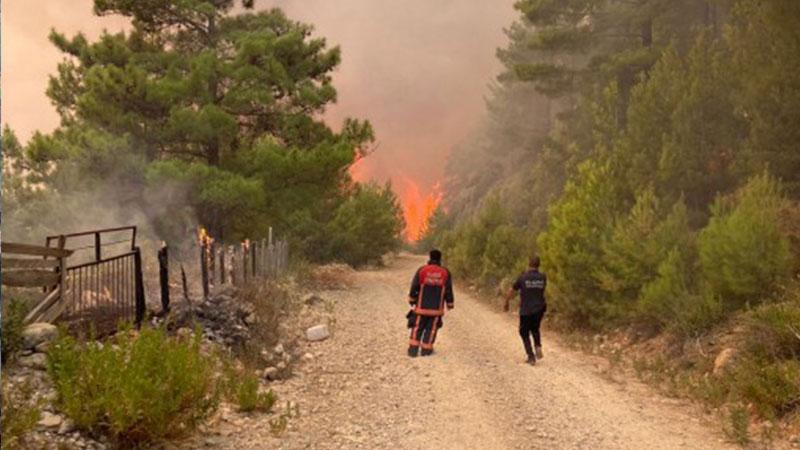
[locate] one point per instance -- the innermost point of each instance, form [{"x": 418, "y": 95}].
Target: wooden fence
[
  {"x": 33, "y": 266},
  {"x": 90, "y": 279},
  {"x": 95, "y": 278},
  {"x": 225, "y": 264}
]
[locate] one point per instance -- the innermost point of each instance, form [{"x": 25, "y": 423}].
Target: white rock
[
  {"x": 317, "y": 333},
  {"x": 308, "y": 357},
  {"x": 67, "y": 426},
  {"x": 36, "y": 361},
  {"x": 278, "y": 350},
  {"x": 50, "y": 420},
  {"x": 271, "y": 373},
  {"x": 37, "y": 334},
  {"x": 723, "y": 361}
]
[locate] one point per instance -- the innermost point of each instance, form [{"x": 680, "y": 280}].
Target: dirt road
[{"x": 475, "y": 392}]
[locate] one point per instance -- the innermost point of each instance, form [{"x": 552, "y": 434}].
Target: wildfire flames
[
  {"x": 418, "y": 208},
  {"x": 202, "y": 236}
]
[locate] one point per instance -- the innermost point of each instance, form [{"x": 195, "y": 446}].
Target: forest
[{"x": 648, "y": 151}]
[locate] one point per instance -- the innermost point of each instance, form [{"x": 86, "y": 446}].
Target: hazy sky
[{"x": 417, "y": 69}]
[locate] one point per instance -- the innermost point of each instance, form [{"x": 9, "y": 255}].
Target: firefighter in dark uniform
[
  {"x": 532, "y": 306},
  {"x": 431, "y": 291}
]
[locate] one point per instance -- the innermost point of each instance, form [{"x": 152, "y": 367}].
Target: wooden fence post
[
  {"x": 140, "y": 300},
  {"x": 163, "y": 277},
  {"x": 254, "y": 258},
  {"x": 244, "y": 261},
  {"x": 204, "y": 267},
  {"x": 212, "y": 263},
  {"x": 222, "y": 274},
  {"x": 234, "y": 278}
]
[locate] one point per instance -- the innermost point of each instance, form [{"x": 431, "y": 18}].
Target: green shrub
[
  {"x": 134, "y": 388},
  {"x": 670, "y": 302},
  {"x": 739, "y": 423},
  {"x": 773, "y": 331},
  {"x": 743, "y": 252},
  {"x": 640, "y": 243},
  {"x": 19, "y": 415},
  {"x": 366, "y": 226},
  {"x": 12, "y": 326},
  {"x": 773, "y": 388},
  {"x": 504, "y": 255},
  {"x": 580, "y": 221},
  {"x": 248, "y": 397}
]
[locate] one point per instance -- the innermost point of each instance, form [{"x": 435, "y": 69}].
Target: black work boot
[
  {"x": 427, "y": 351},
  {"x": 532, "y": 359},
  {"x": 539, "y": 354},
  {"x": 413, "y": 351}
]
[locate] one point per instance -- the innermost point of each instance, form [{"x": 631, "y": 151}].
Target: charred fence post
[
  {"x": 204, "y": 266},
  {"x": 185, "y": 286},
  {"x": 245, "y": 251},
  {"x": 222, "y": 279},
  {"x": 234, "y": 251},
  {"x": 140, "y": 300},
  {"x": 254, "y": 259},
  {"x": 163, "y": 277},
  {"x": 212, "y": 263}
]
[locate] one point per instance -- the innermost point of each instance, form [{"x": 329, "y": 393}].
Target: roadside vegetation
[
  {"x": 658, "y": 178},
  {"x": 143, "y": 388}
]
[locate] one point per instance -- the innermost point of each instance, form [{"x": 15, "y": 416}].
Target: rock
[
  {"x": 723, "y": 361},
  {"x": 308, "y": 357},
  {"x": 278, "y": 350},
  {"x": 36, "y": 361},
  {"x": 313, "y": 299},
  {"x": 271, "y": 373},
  {"x": 50, "y": 420},
  {"x": 281, "y": 366},
  {"x": 67, "y": 426},
  {"x": 37, "y": 334},
  {"x": 317, "y": 333},
  {"x": 184, "y": 332}
]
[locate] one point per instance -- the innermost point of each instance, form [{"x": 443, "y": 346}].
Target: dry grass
[
  {"x": 272, "y": 304},
  {"x": 332, "y": 277}
]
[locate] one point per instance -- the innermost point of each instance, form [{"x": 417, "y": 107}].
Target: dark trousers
[
  {"x": 423, "y": 333},
  {"x": 529, "y": 325}
]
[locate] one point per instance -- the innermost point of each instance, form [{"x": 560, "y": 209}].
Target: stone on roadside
[
  {"x": 308, "y": 357},
  {"x": 723, "y": 361},
  {"x": 317, "y": 333},
  {"x": 278, "y": 350},
  {"x": 313, "y": 299},
  {"x": 50, "y": 420},
  {"x": 67, "y": 426},
  {"x": 271, "y": 373},
  {"x": 37, "y": 334},
  {"x": 36, "y": 361}
]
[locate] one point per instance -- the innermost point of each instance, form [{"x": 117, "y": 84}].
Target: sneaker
[
  {"x": 427, "y": 352},
  {"x": 539, "y": 354},
  {"x": 532, "y": 360},
  {"x": 413, "y": 351}
]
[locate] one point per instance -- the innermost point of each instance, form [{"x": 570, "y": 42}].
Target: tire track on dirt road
[{"x": 361, "y": 391}]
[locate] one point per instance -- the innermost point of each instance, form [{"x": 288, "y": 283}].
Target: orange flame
[
  {"x": 202, "y": 236},
  {"x": 418, "y": 208}
]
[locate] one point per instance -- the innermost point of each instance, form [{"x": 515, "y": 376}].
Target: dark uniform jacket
[{"x": 431, "y": 289}]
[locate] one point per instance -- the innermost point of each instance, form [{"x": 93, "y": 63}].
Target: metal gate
[{"x": 103, "y": 284}]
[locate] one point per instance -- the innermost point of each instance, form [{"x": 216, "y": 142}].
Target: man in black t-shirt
[{"x": 532, "y": 306}]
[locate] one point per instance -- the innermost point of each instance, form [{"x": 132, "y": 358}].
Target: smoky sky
[{"x": 418, "y": 70}]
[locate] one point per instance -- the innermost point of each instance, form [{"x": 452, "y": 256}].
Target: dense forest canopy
[{"x": 647, "y": 149}]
